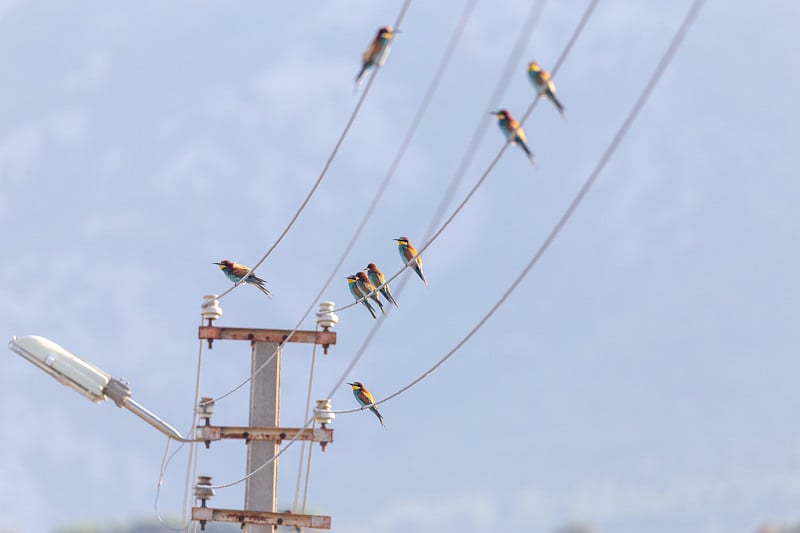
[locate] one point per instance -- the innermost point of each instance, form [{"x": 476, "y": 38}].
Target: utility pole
[
  {"x": 260, "y": 491},
  {"x": 263, "y": 435}
]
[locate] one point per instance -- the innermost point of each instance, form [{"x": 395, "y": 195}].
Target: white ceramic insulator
[
  {"x": 323, "y": 413},
  {"x": 326, "y": 318},
  {"x": 203, "y": 490},
  {"x": 205, "y": 409},
  {"x": 210, "y": 309}
]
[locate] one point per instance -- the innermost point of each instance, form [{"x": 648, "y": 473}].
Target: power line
[
  {"x": 266, "y": 464},
  {"x": 165, "y": 460},
  {"x": 191, "y": 467},
  {"x": 615, "y": 142},
  {"x": 305, "y": 416},
  {"x": 325, "y": 168},
  {"x": 192, "y": 463},
  {"x": 575, "y": 34}
]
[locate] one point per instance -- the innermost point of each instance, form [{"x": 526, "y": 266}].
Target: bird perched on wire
[
  {"x": 512, "y": 130},
  {"x": 355, "y": 290},
  {"x": 236, "y": 272},
  {"x": 543, "y": 82},
  {"x": 376, "y": 53},
  {"x": 364, "y": 397},
  {"x": 368, "y": 288},
  {"x": 407, "y": 251},
  {"x": 377, "y": 278}
]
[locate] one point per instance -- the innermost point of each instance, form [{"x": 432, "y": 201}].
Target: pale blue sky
[{"x": 642, "y": 378}]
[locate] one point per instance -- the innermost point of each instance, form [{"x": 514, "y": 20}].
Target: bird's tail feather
[
  {"x": 389, "y": 297},
  {"x": 380, "y": 418},
  {"x": 527, "y": 152},
  {"x": 421, "y": 276},
  {"x": 264, "y": 290},
  {"x": 371, "y": 310},
  {"x": 557, "y": 104},
  {"x": 360, "y": 77}
]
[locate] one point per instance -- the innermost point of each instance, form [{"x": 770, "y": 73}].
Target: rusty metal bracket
[
  {"x": 325, "y": 338},
  {"x": 209, "y": 433},
  {"x": 264, "y": 518}
]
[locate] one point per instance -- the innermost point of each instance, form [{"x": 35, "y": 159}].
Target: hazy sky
[{"x": 642, "y": 378}]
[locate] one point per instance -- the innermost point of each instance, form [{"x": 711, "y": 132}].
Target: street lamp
[{"x": 85, "y": 378}]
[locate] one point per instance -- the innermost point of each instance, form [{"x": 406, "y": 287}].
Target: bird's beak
[
  {"x": 493, "y": 112},
  {"x": 350, "y": 384},
  {"x": 217, "y": 264}
]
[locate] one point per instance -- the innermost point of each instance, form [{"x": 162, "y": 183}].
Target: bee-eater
[
  {"x": 543, "y": 82},
  {"x": 512, "y": 130},
  {"x": 236, "y": 272},
  {"x": 407, "y": 251},
  {"x": 376, "y": 53},
  {"x": 364, "y": 397},
  {"x": 368, "y": 288},
  {"x": 355, "y": 290},
  {"x": 377, "y": 278}
]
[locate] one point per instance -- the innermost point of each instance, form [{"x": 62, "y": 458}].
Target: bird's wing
[
  {"x": 519, "y": 133},
  {"x": 239, "y": 270},
  {"x": 369, "y": 53},
  {"x": 365, "y": 397}
]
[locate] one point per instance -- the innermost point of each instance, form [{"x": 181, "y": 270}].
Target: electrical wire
[
  {"x": 263, "y": 466},
  {"x": 299, "y": 477},
  {"x": 162, "y": 471},
  {"x": 191, "y": 468},
  {"x": 308, "y": 477},
  {"x": 305, "y": 416},
  {"x": 562, "y": 221},
  {"x": 325, "y": 168}
]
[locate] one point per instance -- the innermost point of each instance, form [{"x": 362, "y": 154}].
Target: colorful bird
[
  {"x": 407, "y": 251},
  {"x": 355, "y": 290},
  {"x": 369, "y": 289},
  {"x": 376, "y": 53},
  {"x": 512, "y": 130},
  {"x": 236, "y": 272},
  {"x": 543, "y": 82},
  {"x": 364, "y": 397},
  {"x": 377, "y": 278}
]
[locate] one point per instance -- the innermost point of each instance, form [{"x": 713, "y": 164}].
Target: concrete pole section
[{"x": 265, "y": 392}]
